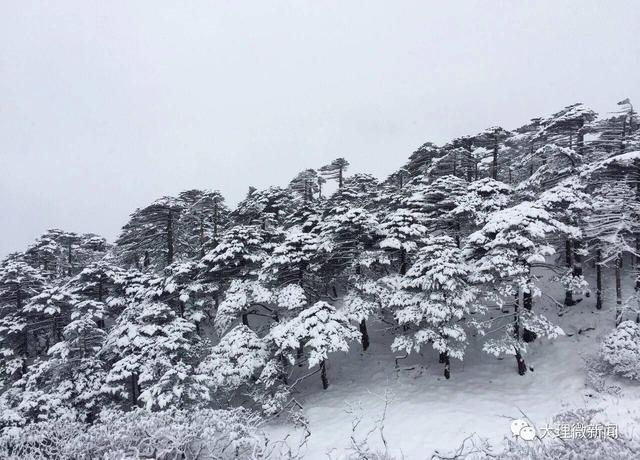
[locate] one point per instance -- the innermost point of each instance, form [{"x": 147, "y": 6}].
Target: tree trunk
[
  {"x": 580, "y": 138},
  {"x": 599, "y": 279},
  {"x": 25, "y": 336},
  {"x": 201, "y": 237},
  {"x": 365, "y": 335},
  {"x": 494, "y": 164},
  {"x": 527, "y": 302},
  {"x": 300, "y": 354},
  {"x": 403, "y": 261},
  {"x": 447, "y": 366},
  {"x": 323, "y": 375},
  {"x": 245, "y": 319},
  {"x": 134, "y": 389},
  {"x": 568, "y": 295},
  {"x": 522, "y": 367},
  {"x": 170, "y": 238},
  {"x": 69, "y": 259},
  {"x": 618, "y": 289},
  {"x": 215, "y": 225},
  {"x": 516, "y": 315}
]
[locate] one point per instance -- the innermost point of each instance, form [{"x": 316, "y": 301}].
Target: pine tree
[
  {"x": 404, "y": 231},
  {"x": 306, "y": 185},
  {"x": 19, "y": 282},
  {"x": 435, "y": 298},
  {"x": 149, "y": 238},
  {"x": 204, "y": 218},
  {"x": 231, "y": 266},
  {"x": 321, "y": 330},
  {"x": 335, "y": 170},
  {"x": 266, "y": 208},
  {"x": 612, "y": 227},
  {"x": 502, "y": 254},
  {"x": 68, "y": 383},
  {"x": 152, "y": 354},
  {"x": 436, "y": 201},
  {"x": 235, "y": 365},
  {"x": 482, "y": 198}
]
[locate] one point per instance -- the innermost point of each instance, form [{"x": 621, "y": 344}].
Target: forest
[{"x": 201, "y": 323}]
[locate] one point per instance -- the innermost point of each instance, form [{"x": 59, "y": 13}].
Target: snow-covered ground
[{"x": 427, "y": 413}]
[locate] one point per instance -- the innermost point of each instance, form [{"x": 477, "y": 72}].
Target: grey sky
[{"x": 105, "y": 106}]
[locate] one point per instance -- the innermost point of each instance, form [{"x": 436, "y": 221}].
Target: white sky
[{"x": 105, "y": 106}]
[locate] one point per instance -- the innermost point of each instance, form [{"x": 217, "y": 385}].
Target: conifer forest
[{"x": 507, "y": 258}]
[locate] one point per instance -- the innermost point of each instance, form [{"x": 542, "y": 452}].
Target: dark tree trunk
[
  {"x": 522, "y": 367},
  {"x": 146, "y": 261},
  {"x": 618, "y": 263},
  {"x": 170, "y": 238},
  {"x": 516, "y": 315},
  {"x": 25, "y": 333},
  {"x": 403, "y": 261},
  {"x": 580, "y": 138},
  {"x": 599, "y": 279},
  {"x": 323, "y": 375},
  {"x": 69, "y": 259},
  {"x": 527, "y": 302},
  {"x": 201, "y": 235},
  {"x": 494, "y": 163},
  {"x": 300, "y": 354},
  {"x": 134, "y": 389},
  {"x": 245, "y": 319},
  {"x": 215, "y": 224},
  {"x": 568, "y": 295},
  {"x": 365, "y": 335},
  {"x": 447, "y": 366}
]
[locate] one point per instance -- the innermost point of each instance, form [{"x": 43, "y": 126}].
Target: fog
[{"x": 105, "y": 106}]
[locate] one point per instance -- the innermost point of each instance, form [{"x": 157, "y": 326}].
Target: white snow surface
[{"x": 428, "y": 413}]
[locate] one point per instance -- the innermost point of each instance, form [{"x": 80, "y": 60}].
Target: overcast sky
[{"x": 105, "y": 106}]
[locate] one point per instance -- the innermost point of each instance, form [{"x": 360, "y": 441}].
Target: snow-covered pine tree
[
  {"x": 19, "y": 282},
  {"x": 404, "y": 231},
  {"x": 306, "y": 185},
  {"x": 232, "y": 267},
  {"x": 502, "y": 254},
  {"x": 345, "y": 234},
  {"x": 204, "y": 218},
  {"x": 58, "y": 253},
  {"x": 67, "y": 384},
  {"x": 48, "y": 312},
  {"x": 482, "y": 198},
  {"x": 436, "y": 201},
  {"x": 151, "y": 354},
  {"x": 149, "y": 238},
  {"x": 611, "y": 228},
  {"x": 335, "y": 170},
  {"x": 321, "y": 330},
  {"x": 99, "y": 289},
  {"x": 567, "y": 203},
  {"x": 265, "y": 208},
  {"x": 435, "y": 298},
  {"x": 243, "y": 364}
]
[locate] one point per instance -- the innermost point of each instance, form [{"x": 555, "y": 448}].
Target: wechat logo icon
[{"x": 521, "y": 428}]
